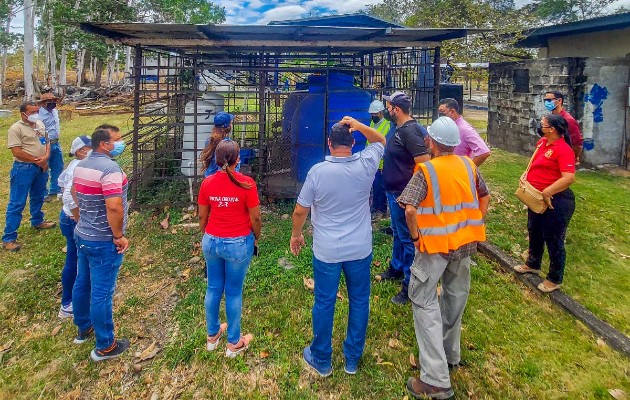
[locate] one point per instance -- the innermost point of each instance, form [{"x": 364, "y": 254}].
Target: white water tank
[{"x": 207, "y": 108}]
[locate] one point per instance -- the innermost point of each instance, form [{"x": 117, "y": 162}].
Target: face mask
[
  {"x": 550, "y": 105},
  {"x": 88, "y": 153},
  {"x": 539, "y": 131},
  {"x": 375, "y": 119},
  {"x": 51, "y": 106},
  {"x": 33, "y": 118},
  {"x": 119, "y": 146}
]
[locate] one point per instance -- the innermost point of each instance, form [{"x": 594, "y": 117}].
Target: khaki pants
[{"x": 438, "y": 322}]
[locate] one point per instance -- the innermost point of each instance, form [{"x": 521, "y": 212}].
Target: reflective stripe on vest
[{"x": 449, "y": 217}]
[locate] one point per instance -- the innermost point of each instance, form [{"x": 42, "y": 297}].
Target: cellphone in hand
[{"x": 256, "y": 250}]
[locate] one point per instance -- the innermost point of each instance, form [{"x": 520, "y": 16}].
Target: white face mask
[
  {"x": 33, "y": 118},
  {"x": 88, "y": 153}
]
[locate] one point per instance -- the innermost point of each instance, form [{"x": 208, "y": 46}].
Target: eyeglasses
[{"x": 545, "y": 126}]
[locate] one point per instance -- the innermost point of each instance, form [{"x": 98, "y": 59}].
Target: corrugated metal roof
[
  {"x": 539, "y": 37},
  {"x": 222, "y": 39}
]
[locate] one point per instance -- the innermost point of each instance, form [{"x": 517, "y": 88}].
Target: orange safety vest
[{"x": 449, "y": 217}]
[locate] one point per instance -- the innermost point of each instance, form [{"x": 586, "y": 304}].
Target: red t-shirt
[
  {"x": 549, "y": 163},
  {"x": 574, "y": 129},
  {"x": 229, "y": 204}
]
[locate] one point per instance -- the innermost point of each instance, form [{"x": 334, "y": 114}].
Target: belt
[{"x": 53, "y": 141}]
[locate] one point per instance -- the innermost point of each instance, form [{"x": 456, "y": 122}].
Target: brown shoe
[
  {"x": 421, "y": 390},
  {"x": 11, "y": 246},
  {"x": 524, "y": 269},
  {"x": 548, "y": 286},
  {"x": 45, "y": 225}
]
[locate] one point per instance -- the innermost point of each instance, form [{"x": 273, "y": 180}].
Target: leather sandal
[{"x": 524, "y": 269}]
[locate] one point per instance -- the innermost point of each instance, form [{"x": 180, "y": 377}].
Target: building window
[{"x": 521, "y": 80}]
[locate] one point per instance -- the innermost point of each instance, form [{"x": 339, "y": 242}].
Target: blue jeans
[
  {"x": 69, "y": 272},
  {"x": 55, "y": 165},
  {"x": 326, "y": 276},
  {"x": 26, "y": 180},
  {"x": 403, "y": 249},
  {"x": 98, "y": 265},
  {"x": 379, "y": 200},
  {"x": 227, "y": 260}
]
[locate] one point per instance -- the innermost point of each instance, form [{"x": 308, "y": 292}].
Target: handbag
[{"x": 529, "y": 195}]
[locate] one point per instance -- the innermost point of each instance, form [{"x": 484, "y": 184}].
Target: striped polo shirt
[{"x": 97, "y": 178}]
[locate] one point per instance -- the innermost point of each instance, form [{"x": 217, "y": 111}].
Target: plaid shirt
[{"x": 416, "y": 191}]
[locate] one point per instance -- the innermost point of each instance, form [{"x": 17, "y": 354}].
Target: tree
[
  {"x": 561, "y": 11},
  {"x": 29, "y": 48},
  {"x": 7, "y": 39},
  {"x": 503, "y": 21},
  {"x": 181, "y": 11}
]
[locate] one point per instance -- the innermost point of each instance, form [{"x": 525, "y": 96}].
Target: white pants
[{"x": 438, "y": 322}]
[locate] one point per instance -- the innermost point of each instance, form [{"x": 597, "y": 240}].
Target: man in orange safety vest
[{"x": 445, "y": 204}]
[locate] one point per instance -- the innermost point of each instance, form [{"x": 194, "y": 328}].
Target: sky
[{"x": 246, "y": 12}]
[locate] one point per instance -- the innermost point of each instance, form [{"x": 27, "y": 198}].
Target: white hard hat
[
  {"x": 376, "y": 107},
  {"x": 444, "y": 131}
]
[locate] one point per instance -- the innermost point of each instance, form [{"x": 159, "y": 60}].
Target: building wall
[
  {"x": 596, "y": 93},
  {"x": 617, "y": 44}
]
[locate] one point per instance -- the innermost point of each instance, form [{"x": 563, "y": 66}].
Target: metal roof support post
[
  {"x": 195, "y": 99},
  {"x": 436, "y": 82},
  {"x": 326, "y": 100},
  {"x": 135, "y": 144},
  {"x": 262, "y": 111}
]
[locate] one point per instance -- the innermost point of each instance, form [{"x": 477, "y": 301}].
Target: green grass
[
  {"x": 597, "y": 271},
  {"x": 517, "y": 345}
]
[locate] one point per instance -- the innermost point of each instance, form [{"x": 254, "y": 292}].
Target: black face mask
[
  {"x": 51, "y": 106},
  {"x": 539, "y": 130},
  {"x": 375, "y": 119}
]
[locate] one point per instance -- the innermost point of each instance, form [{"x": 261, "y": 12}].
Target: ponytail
[{"x": 227, "y": 152}]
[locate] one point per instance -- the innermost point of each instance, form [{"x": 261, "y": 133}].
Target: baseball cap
[
  {"x": 444, "y": 131},
  {"x": 399, "y": 99},
  {"x": 80, "y": 142},
  {"x": 223, "y": 119}
]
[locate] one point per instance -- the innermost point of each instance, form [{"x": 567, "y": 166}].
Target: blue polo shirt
[{"x": 337, "y": 191}]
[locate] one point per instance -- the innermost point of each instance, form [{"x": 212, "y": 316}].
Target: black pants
[{"x": 550, "y": 228}]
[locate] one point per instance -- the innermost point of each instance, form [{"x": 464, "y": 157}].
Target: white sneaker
[{"x": 65, "y": 312}]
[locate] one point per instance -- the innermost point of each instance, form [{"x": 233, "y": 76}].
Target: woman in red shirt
[
  {"x": 229, "y": 217},
  {"x": 552, "y": 171}
]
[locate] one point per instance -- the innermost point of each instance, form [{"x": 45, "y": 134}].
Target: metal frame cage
[{"x": 184, "y": 73}]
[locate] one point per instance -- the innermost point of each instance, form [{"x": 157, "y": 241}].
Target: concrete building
[{"x": 588, "y": 61}]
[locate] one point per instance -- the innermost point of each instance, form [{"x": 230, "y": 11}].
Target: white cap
[
  {"x": 444, "y": 131},
  {"x": 376, "y": 107},
  {"x": 79, "y": 143}
]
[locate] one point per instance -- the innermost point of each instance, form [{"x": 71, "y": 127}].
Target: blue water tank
[
  {"x": 308, "y": 132},
  {"x": 289, "y": 107}
]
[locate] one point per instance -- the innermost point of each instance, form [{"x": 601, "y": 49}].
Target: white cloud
[
  {"x": 339, "y": 7},
  {"x": 282, "y": 13}
]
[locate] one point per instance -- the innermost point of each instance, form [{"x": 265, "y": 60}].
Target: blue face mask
[
  {"x": 550, "y": 105},
  {"x": 119, "y": 146}
]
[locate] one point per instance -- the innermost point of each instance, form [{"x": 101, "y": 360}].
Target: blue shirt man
[
  {"x": 49, "y": 115},
  {"x": 337, "y": 193}
]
